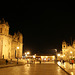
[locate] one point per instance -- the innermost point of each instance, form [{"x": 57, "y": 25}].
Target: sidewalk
[
  {"x": 68, "y": 68},
  {"x": 10, "y": 65},
  {"x": 13, "y": 63}
]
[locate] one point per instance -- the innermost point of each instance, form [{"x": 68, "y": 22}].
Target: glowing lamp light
[
  {"x": 33, "y": 56},
  {"x": 53, "y": 56},
  {"x": 17, "y": 47},
  {"x": 71, "y": 52},
  {"x": 58, "y": 55},
  {"x": 42, "y": 57},
  {"x": 28, "y": 52},
  {"x": 46, "y": 56}
]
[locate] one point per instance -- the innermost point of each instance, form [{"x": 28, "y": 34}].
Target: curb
[
  {"x": 11, "y": 65},
  {"x": 64, "y": 70}
]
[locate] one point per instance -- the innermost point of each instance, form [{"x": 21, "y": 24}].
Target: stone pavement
[
  {"x": 33, "y": 69},
  {"x": 13, "y": 63},
  {"x": 69, "y": 68}
]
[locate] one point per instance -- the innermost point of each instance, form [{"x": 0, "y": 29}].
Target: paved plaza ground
[{"x": 33, "y": 69}]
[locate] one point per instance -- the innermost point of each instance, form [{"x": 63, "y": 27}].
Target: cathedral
[
  {"x": 11, "y": 46},
  {"x": 68, "y": 51}
]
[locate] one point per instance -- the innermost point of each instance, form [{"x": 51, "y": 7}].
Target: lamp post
[
  {"x": 56, "y": 55},
  {"x": 59, "y": 56},
  {"x": 34, "y": 56},
  {"x": 26, "y": 54},
  {"x": 17, "y": 54}
]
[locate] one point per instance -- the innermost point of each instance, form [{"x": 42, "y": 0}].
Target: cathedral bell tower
[
  {"x": 64, "y": 45},
  {"x": 4, "y": 27}
]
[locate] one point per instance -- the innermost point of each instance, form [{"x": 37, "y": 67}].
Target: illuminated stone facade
[
  {"x": 68, "y": 51},
  {"x": 11, "y": 46}
]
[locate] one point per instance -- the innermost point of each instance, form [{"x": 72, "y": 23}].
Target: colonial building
[
  {"x": 68, "y": 51},
  {"x": 11, "y": 46}
]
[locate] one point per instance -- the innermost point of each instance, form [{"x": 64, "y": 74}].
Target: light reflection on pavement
[
  {"x": 33, "y": 69},
  {"x": 68, "y": 67}
]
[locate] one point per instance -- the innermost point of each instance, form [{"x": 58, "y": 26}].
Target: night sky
[{"x": 44, "y": 25}]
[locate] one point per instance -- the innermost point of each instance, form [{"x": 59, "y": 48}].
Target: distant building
[
  {"x": 42, "y": 57},
  {"x": 46, "y": 57},
  {"x": 68, "y": 51},
  {"x": 11, "y": 46}
]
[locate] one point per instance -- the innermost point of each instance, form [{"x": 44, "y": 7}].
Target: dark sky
[{"x": 44, "y": 25}]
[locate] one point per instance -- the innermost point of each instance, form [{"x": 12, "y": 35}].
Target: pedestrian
[
  {"x": 6, "y": 61},
  {"x": 72, "y": 62},
  {"x": 34, "y": 61},
  {"x": 63, "y": 62},
  {"x": 40, "y": 61},
  {"x": 27, "y": 61}
]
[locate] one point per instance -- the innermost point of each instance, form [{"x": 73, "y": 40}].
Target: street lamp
[
  {"x": 55, "y": 55},
  {"x": 27, "y": 53},
  {"x": 71, "y": 52},
  {"x": 17, "y": 47},
  {"x": 17, "y": 54},
  {"x": 58, "y": 54},
  {"x": 34, "y": 56}
]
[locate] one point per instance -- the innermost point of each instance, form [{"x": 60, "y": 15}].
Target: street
[{"x": 33, "y": 69}]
